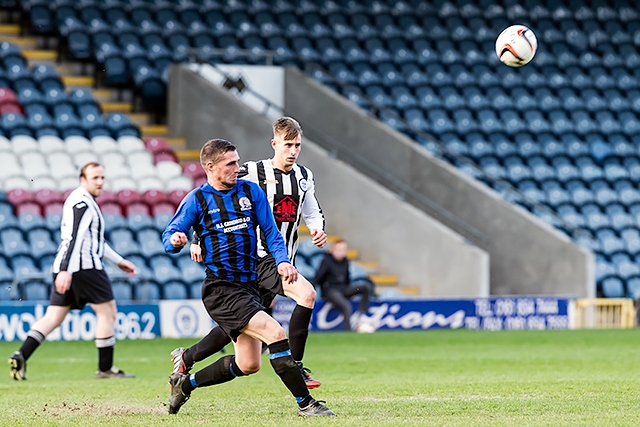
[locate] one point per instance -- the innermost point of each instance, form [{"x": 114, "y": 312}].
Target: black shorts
[
  {"x": 87, "y": 286},
  {"x": 269, "y": 280},
  {"x": 230, "y": 304}
]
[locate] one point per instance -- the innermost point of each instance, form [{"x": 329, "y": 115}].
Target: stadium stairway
[{"x": 75, "y": 75}]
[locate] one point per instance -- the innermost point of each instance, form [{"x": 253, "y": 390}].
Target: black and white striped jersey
[
  {"x": 291, "y": 195},
  {"x": 82, "y": 233}
]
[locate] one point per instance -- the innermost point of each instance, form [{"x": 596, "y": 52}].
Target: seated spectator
[{"x": 333, "y": 278}]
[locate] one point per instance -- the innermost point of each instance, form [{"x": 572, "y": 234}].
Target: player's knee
[
  {"x": 306, "y": 296},
  {"x": 249, "y": 367},
  {"x": 276, "y": 334}
]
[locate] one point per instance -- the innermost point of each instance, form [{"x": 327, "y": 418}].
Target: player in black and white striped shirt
[
  {"x": 291, "y": 192},
  {"x": 79, "y": 276}
]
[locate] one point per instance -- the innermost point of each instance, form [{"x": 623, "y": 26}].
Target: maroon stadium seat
[
  {"x": 28, "y": 208},
  {"x": 193, "y": 169},
  {"x": 107, "y": 197},
  {"x": 163, "y": 208},
  {"x": 18, "y": 196},
  {"x": 137, "y": 208},
  {"x": 154, "y": 197},
  {"x": 53, "y": 209},
  {"x": 176, "y": 196},
  {"x": 157, "y": 145},
  {"x": 11, "y": 108},
  {"x": 164, "y": 156},
  {"x": 46, "y": 196},
  {"x": 111, "y": 208},
  {"x": 127, "y": 197},
  {"x": 7, "y": 96}
]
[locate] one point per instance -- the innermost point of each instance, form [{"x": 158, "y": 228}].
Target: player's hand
[
  {"x": 288, "y": 272},
  {"x": 127, "y": 266},
  {"x": 196, "y": 252},
  {"x": 178, "y": 239},
  {"x": 63, "y": 282},
  {"x": 318, "y": 237}
]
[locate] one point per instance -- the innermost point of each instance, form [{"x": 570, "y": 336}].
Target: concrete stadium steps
[{"x": 382, "y": 281}]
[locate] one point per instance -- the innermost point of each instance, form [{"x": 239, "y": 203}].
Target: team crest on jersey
[
  {"x": 245, "y": 203},
  {"x": 303, "y": 184}
]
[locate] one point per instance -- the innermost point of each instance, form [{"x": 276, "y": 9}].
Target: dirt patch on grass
[{"x": 66, "y": 409}]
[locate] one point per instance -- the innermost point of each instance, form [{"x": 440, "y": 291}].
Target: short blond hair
[
  {"x": 83, "y": 170},
  {"x": 214, "y": 150},
  {"x": 288, "y": 127}
]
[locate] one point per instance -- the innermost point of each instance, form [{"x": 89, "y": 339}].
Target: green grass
[{"x": 410, "y": 378}]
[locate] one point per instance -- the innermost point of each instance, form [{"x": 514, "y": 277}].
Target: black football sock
[
  {"x": 289, "y": 372},
  {"x": 222, "y": 370},
  {"x": 34, "y": 339},
  {"x": 105, "y": 352},
  {"x": 212, "y": 343},
  {"x": 299, "y": 330}
]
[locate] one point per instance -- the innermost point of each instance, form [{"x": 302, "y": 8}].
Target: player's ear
[{"x": 273, "y": 143}]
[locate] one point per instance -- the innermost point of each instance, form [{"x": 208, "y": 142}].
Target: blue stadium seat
[
  {"x": 122, "y": 290},
  {"x": 35, "y": 290},
  {"x": 164, "y": 271},
  {"x": 174, "y": 290},
  {"x": 613, "y": 287}
]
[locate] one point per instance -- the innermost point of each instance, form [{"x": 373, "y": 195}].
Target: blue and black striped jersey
[{"x": 226, "y": 223}]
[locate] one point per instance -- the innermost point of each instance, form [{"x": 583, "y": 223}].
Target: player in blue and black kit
[{"x": 225, "y": 212}]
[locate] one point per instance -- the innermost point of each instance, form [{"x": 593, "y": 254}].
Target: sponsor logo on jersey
[
  {"x": 271, "y": 181},
  {"x": 285, "y": 209}
]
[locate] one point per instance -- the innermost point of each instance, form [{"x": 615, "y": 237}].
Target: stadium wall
[
  {"x": 403, "y": 240},
  {"x": 188, "y": 318},
  {"x": 528, "y": 257}
]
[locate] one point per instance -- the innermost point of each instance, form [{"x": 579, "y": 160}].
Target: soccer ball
[{"x": 516, "y": 45}]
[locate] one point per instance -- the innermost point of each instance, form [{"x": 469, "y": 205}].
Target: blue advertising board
[
  {"x": 133, "y": 321},
  {"x": 479, "y": 313}
]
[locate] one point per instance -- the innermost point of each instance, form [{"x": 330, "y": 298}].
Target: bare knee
[
  {"x": 308, "y": 297},
  {"x": 276, "y": 333},
  {"x": 249, "y": 367}
]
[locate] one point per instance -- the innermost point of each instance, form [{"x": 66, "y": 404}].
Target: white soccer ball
[
  {"x": 516, "y": 46},
  {"x": 366, "y": 327}
]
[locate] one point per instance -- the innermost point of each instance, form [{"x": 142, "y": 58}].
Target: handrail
[{"x": 507, "y": 188}]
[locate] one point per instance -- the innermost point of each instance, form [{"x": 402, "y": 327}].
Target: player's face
[
  {"x": 224, "y": 173},
  {"x": 339, "y": 251},
  {"x": 93, "y": 180},
  {"x": 286, "y": 151}
]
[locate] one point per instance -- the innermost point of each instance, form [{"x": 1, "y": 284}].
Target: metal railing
[{"x": 507, "y": 191}]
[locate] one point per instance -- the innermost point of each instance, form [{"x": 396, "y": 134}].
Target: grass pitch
[{"x": 408, "y": 378}]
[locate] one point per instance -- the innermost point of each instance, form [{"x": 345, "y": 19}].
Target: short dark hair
[
  {"x": 214, "y": 149},
  {"x": 288, "y": 127},
  {"x": 83, "y": 171}
]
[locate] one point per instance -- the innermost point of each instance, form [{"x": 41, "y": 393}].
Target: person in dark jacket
[{"x": 334, "y": 281}]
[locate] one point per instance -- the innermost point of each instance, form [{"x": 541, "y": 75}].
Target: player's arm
[
  {"x": 195, "y": 249},
  {"x": 117, "y": 259},
  {"x": 174, "y": 236},
  {"x": 80, "y": 222},
  {"x": 274, "y": 240},
  {"x": 312, "y": 214}
]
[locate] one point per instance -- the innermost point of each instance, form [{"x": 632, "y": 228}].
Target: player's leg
[
  {"x": 304, "y": 294},
  {"x": 184, "y": 358},
  {"x": 266, "y": 329},
  {"x": 336, "y": 297},
  {"x": 52, "y": 318},
  {"x": 106, "y": 340}
]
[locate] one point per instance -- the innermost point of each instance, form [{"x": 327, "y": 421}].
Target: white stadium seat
[
  {"x": 51, "y": 144},
  {"x": 121, "y": 184},
  {"x": 168, "y": 169},
  {"x": 130, "y": 144},
  {"x": 182, "y": 182},
  {"x": 42, "y": 182},
  {"x": 10, "y": 166},
  {"x": 14, "y": 182},
  {"x": 77, "y": 144},
  {"x": 140, "y": 158},
  {"x": 82, "y": 158},
  {"x": 112, "y": 159},
  {"x": 68, "y": 182},
  {"x": 24, "y": 143},
  {"x": 150, "y": 183},
  {"x": 116, "y": 171},
  {"x": 144, "y": 171},
  {"x": 104, "y": 144},
  {"x": 5, "y": 144}
]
